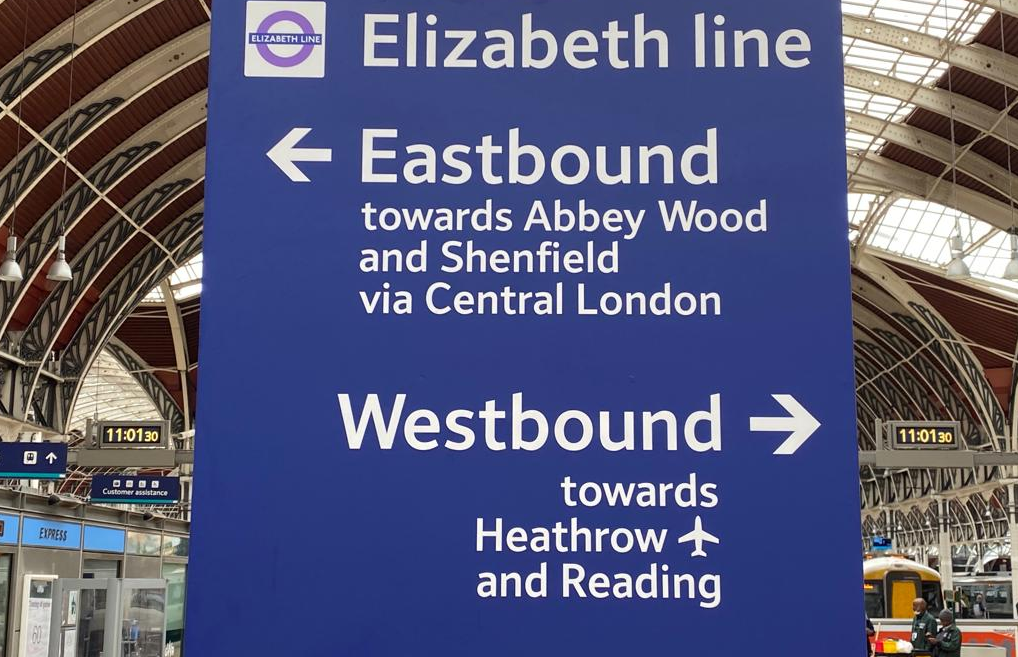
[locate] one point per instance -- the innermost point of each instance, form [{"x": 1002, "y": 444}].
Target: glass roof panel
[
  {"x": 919, "y": 230},
  {"x": 916, "y": 229},
  {"x": 110, "y": 392},
  {"x": 185, "y": 282},
  {"x": 958, "y": 20}
]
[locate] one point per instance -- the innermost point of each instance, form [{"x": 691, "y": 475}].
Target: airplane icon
[{"x": 698, "y": 537}]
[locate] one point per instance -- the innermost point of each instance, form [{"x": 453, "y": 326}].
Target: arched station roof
[
  {"x": 931, "y": 91},
  {"x": 102, "y": 136}
]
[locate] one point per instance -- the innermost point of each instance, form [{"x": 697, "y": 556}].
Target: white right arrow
[
  {"x": 799, "y": 422},
  {"x": 51, "y": 457},
  {"x": 285, "y": 153}
]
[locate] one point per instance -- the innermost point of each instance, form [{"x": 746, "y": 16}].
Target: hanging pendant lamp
[
  {"x": 10, "y": 271},
  {"x": 957, "y": 269},
  {"x": 60, "y": 271}
]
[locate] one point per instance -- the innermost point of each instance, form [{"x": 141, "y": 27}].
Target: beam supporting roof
[
  {"x": 1009, "y": 7},
  {"x": 179, "y": 336},
  {"x": 874, "y": 173},
  {"x": 976, "y": 58},
  {"x": 959, "y": 357},
  {"x": 40, "y": 241},
  {"x": 118, "y": 301},
  {"x": 90, "y": 262},
  {"x": 89, "y": 27},
  {"x": 972, "y": 113},
  {"x": 936, "y": 147},
  {"x": 153, "y": 387},
  {"x": 116, "y": 95}
]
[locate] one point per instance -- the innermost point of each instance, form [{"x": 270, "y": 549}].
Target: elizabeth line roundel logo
[{"x": 284, "y": 40}]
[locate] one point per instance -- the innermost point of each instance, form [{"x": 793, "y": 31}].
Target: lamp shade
[
  {"x": 60, "y": 271},
  {"x": 10, "y": 272}
]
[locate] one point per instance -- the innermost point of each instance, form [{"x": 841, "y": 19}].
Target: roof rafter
[
  {"x": 976, "y": 58},
  {"x": 874, "y": 173}
]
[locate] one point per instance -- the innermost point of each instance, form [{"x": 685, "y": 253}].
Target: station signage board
[
  {"x": 882, "y": 544},
  {"x": 33, "y": 460},
  {"x": 125, "y": 489},
  {"x": 542, "y": 313}
]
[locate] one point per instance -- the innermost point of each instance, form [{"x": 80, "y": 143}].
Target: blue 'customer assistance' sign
[
  {"x": 527, "y": 324},
  {"x": 135, "y": 489}
]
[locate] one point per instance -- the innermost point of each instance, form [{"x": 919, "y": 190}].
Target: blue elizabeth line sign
[{"x": 567, "y": 329}]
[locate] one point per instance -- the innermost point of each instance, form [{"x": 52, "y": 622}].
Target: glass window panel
[
  {"x": 148, "y": 545},
  {"x": 143, "y": 623},
  {"x": 5, "y": 599},
  {"x": 175, "y": 546},
  {"x": 176, "y": 588}
]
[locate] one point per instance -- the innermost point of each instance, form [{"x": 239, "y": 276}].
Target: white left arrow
[
  {"x": 51, "y": 457},
  {"x": 800, "y": 423},
  {"x": 286, "y": 153}
]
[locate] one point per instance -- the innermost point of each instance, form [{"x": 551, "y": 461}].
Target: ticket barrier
[{"x": 108, "y": 618}]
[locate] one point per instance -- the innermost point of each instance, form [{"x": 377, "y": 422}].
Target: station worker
[
  {"x": 923, "y": 624},
  {"x": 947, "y": 643}
]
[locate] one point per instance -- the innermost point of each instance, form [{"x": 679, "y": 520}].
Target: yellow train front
[{"x": 891, "y": 584}]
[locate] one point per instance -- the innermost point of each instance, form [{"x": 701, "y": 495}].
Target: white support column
[
  {"x": 1012, "y": 521},
  {"x": 944, "y": 545},
  {"x": 179, "y": 347}
]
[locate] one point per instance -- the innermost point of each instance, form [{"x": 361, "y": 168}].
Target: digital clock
[
  {"x": 925, "y": 435},
  {"x": 126, "y": 435}
]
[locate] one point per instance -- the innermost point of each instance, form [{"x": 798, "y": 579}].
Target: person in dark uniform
[
  {"x": 923, "y": 625},
  {"x": 947, "y": 643},
  {"x": 869, "y": 633}
]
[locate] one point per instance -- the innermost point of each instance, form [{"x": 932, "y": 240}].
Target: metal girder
[
  {"x": 887, "y": 366},
  {"x": 976, "y": 58},
  {"x": 912, "y": 357},
  {"x": 936, "y": 147},
  {"x": 954, "y": 459},
  {"x": 877, "y": 173},
  {"x": 1013, "y": 407},
  {"x": 972, "y": 113},
  {"x": 89, "y": 26},
  {"x": 872, "y": 410},
  {"x": 130, "y": 458},
  {"x": 20, "y": 176},
  {"x": 1009, "y": 7},
  {"x": 912, "y": 522},
  {"x": 941, "y": 387},
  {"x": 39, "y": 243},
  {"x": 927, "y": 334},
  {"x": 93, "y": 258},
  {"x": 48, "y": 398},
  {"x": 870, "y": 488},
  {"x": 898, "y": 400},
  {"x": 178, "y": 333},
  {"x": 150, "y": 383},
  {"x": 889, "y": 347},
  {"x": 944, "y": 379},
  {"x": 184, "y": 238},
  {"x": 972, "y": 371},
  {"x": 906, "y": 505},
  {"x": 894, "y": 404},
  {"x": 35, "y": 67}
]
